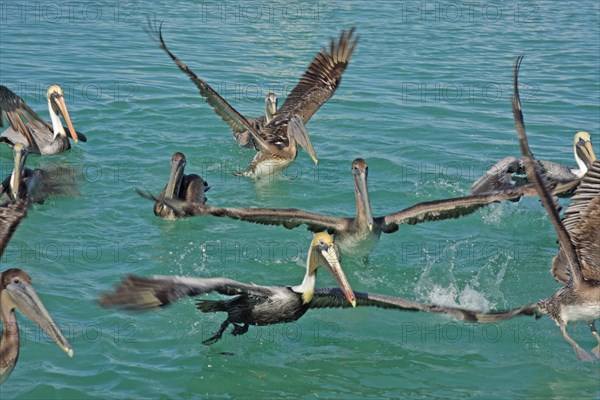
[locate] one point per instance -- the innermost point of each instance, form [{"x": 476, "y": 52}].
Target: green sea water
[{"x": 425, "y": 100}]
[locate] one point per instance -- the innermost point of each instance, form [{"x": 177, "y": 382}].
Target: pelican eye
[{"x": 16, "y": 281}]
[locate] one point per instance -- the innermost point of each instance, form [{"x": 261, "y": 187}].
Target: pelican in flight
[
  {"x": 27, "y": 127},
  {"x": 577, "y": 264},
  {"x": 355, "y": 236},
  {"x": 37, "y": 184},
  {"x": 17, "y": 293},
  {"x": 276, "y": 135},
  {"x": 180, "y": 186},
  {"x": 249, "y": 305}
]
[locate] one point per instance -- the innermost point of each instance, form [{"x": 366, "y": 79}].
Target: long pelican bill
[
  {"x": 19, "y": 155},
  {"x": 177, "y": 167},
  {"x": 583, "y": 149},
  {"x": 333, "y": 265},
  {"x": 21, "y": 295},
  {"x": 363, "y": 202},
  {"x": 59, "y": 100},
  {"x": 297, "y": 130}
]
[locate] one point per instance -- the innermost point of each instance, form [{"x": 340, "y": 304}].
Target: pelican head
[
  {"x": 176, "y": 177},
  {"x": 16, "y": 292},
  {"x": 323, "y": 253},
  {"x": 584, "y": 152},
  {"x": 270, "y": 106},
  {"x": 360, "y": 170},
  {"x": 19, "y": 156},
  {"x": 56, "y": 107}
]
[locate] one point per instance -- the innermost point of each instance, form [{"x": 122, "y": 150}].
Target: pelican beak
[
  {"x": 297, "y": 130},
  {"x": 177, "y": 168},
  {"x": 19, "y": 155},
  {"x": 62, "y": 107},
  {"x": 362, "y": 197},
  {"x": 585, "y": 152},
  {"x": 23, "y": 297},
  {"x": 333, "y": 265}
]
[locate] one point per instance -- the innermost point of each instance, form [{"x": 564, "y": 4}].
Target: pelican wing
[
  {"x": 18, "y": 113},
  {"x": 581, "y": 220},
  {"x": 236, "y": 121},
  {"x": 288, "y": 217},
  {"x": 445, "y": 209},
  {"x": 316, "y": 86},
  {"x": 334, "y": 298},
  {"x": 499, "y": 177},
  {"x": 320, "y": 80},
  {"x": 11, "y": 215},
  {"x": 532, "y": 172},
  {"x": 139, "y": 293}
]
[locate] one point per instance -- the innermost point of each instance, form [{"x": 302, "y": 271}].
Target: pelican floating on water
[
  {"x": 276, "y": 135},
  {"x": 561, "y": 180},
  {"x": 17, "y": 293},
  {"x": 37, "y": 184},
  {"x": 38, "y": 135},
  {"x": 355, "y": 236},
  {"x": 182, "y": 187},
  {"x": 250, "y": 304},
  {"x": 577, "y": 264}
]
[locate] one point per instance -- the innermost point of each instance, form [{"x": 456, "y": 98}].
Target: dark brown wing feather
[
  {"x": 11, "y": 215},
  {"x": 287, "y": 217},
  {"x": 334, "y": 297},
  {"x": 588, "y": 190},
  {"x": 236, "y": 121},
  {"x": 139, "y": 293},
  {"x": 447, "y": 208},
  {"x": 534, "y": 175},
  {"x": 317, "y": 85},
  {"x": 18, "y": 113}
]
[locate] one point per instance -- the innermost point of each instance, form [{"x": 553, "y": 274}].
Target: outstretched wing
[
  {"x": 11, "y": 215},
  {"x": 287, "y": 217},
  {"x": 236, "y": 121},
  {"x": 139, "y": 293},
  {"x": 317, "y": 85},
  {"x": 334, "y": 297},
  {"x": 447, "y": 208},
  {"x": 534, "y": 175}
]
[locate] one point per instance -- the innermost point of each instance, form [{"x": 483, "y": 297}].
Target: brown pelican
[
  {"x": 38, "y": 135},
  {"x": 180, "y": 186},
  {"x": 37, "y": 184},
  {"x": 16, "y": 292},
  {"x": 250, "y": 305},
  {"x": 578, "y": 262},
  {"x": 355, "y": 236},
  {"x": 562, "y": 180},
  {"x": 276, "y": 138}
]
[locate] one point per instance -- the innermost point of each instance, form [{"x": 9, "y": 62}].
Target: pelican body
[
  {"x": 182, "y": 187},
  {"x": 248, "y": 305},
  {"x": 39, "y": 136},
  {"x": 277, "y": 135},
  {"x": 577, "y": 264},
  {"x": 562, "y": 180},
  {"x": 355, "y": 236},
  {"x": 37, "y": 184},
  {"x": 17, "y": 293}
]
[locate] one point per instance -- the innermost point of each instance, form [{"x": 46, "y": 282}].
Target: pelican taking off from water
[
  {"x": 577, "y": 264},
  {"x": 17, "y": 293},
  {"x": 249, "y": 305},
  {"x": 277, "y": 135},
  {"x": 561, "y": 180},
  {"x": 182, "y": 187},
  {"x": 28, "y": 128},
  {"x": 355, "y": 236}
]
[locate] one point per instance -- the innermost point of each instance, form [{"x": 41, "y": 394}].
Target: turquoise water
[{"x": 425, "y": 101}]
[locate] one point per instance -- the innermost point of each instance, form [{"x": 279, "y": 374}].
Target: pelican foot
[
  {"x": 584, "y": 355},
  {"x": 212, "y": 340},
  {"x": 596, "y": 351},
  {"x": 239, "y": 329}
]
